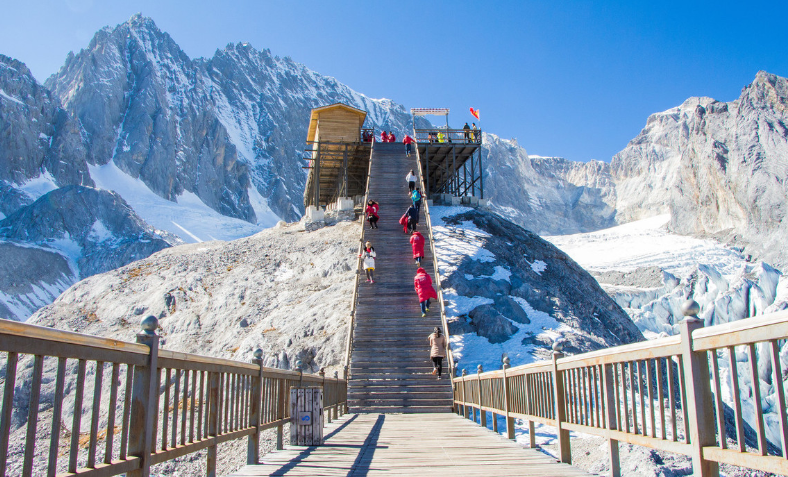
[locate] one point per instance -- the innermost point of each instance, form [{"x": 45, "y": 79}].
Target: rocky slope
[
  {"x": 507, "y": 290},
  {"x": 68, "y": 234}
]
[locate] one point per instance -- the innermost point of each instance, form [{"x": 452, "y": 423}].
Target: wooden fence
[
  {"x": 665, "y": 394},
  {"x": 122, "y": 416},
  {"x": 439, "y": 291}
]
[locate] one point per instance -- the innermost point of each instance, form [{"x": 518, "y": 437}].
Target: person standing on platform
[
  {"x": 417, "y": 244},
  {"x": 372, "y": 213},
  {"x": 475, "y": 134},
  {"x": 384, "y": 136},
  {"x": 408, "y": 141},
  {"x": 413, "y": 218},
  {"x": 415, "y": 197},
  {"x": 392, "y": 137},
  {"x": 423, "y": 285},
  {"x": 437, "y": 350},
  {"x": 411, "y": 178},
  {"x": 467, "y": 133},
  {"x": 368, "y": 256}
]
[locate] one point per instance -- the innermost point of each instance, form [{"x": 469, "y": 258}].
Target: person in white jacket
[
  {"x": 369, "y": 261},
  {"x": 411, "y": 178}
]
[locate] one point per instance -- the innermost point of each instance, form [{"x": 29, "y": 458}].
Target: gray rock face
[
  {"x": 37, "y": 136},
  {"x": 214, "y": 127},
  {"x": 518, "y": 275},
  {"x": 548, "y": 195}
]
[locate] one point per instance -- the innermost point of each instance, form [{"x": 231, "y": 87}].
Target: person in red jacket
[
  {"x": 408, "y": 142},
  {"x": 392, "y": 137},
  {"x": 417, "y": 244},
  {"x": 372, "y": 214},
  {"x": 384, "y": 137},
  {"x": 423, "y": 285}
]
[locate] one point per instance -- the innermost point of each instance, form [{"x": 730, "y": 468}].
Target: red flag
[{"x": 475, "y": 113}]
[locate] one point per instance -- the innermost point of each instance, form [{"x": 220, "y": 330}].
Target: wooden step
[{"x": 401, "y": 409}]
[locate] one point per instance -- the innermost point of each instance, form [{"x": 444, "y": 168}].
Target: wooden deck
[{"x": 409, "y": 445}]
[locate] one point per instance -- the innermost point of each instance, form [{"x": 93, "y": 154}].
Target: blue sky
[{"x": 576, "y": 79}]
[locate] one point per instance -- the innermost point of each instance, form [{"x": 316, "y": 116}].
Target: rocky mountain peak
[{"x": 767, "y": 91}]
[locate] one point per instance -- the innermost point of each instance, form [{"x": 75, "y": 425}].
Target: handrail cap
[
  {"x": 149, "y": 324},
  {"x": 690, "y": 308}
]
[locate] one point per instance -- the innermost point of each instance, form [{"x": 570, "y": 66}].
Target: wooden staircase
[{"x": 390, "y": 367}]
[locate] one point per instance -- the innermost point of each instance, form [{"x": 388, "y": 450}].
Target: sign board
[
  {"x": 306, "y": 416},
  {"x": 429, "y": 111}
]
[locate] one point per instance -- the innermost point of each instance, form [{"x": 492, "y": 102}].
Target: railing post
[
  {"x": 699, "y": 399},
  {"x": 465, "y": 406},
  {"x": 144, "y": 398},
  {"x": 344, "y": 378},
  {"x": 482, "y": 415},
  {"x": 326, "y": 409},
  {"x": 559, "y": 398},
  {"x": 509, "y": 419},
  {"x": 253, "y": 444},
  {"x": 338, "y": 396},
  {"x": 612, "y": 424},
  {"x": 213, "y": 421}
]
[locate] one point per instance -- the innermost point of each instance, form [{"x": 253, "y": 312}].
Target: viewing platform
[{"x": 451, "y": 159}]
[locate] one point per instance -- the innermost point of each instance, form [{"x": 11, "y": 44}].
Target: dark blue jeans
[{"x": 424, "y": 305}]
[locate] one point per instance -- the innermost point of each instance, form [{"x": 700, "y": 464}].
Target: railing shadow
[{"x": 308, "y": 451}]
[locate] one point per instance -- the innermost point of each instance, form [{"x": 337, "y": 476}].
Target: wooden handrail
[
  {"x": 444, "y": 321},
  {"x": 166, "y": 403},
  {"x": 661, "y": 394}
]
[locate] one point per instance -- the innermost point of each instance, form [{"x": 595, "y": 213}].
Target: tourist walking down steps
[
  {"x": 437, "y": 350},
  {"x": 372, "y": 213},
  {"x": 369, "y": 261},
  {"x": 423, "y": 285}
]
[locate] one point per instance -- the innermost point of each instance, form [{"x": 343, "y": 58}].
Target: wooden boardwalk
[{"x": 396, "y": 445}]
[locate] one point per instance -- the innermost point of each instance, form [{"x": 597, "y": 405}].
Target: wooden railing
[
  {"x": 156, "y": 405},
  {"x": 352, "y": 322},
  {"x": 449, "y": 136},
  {"x": 664, "y": 394},
  {"x": 425, "y": 206}
]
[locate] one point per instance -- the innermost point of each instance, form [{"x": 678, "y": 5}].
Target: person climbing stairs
[{"x": 390, "y": 367}]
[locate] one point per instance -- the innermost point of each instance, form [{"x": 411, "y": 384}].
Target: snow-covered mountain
[
  {"x": 68, "y": 234},
  {"x": 202, "y": 149},
  {"x": 229, "y": 129},
  {"x": 719, "y": 169},
  {"x": 547, "y": 195}
]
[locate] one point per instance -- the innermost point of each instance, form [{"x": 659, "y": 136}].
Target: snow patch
[
  {"x": 188, "y": 218},
  {"x": 3, "y": 94},
  {"x": 38, "y": 186},
  {"x": 538, "y": 267}
]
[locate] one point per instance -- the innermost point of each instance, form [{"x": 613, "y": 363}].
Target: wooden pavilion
[{"x": 337, "y": 154}]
